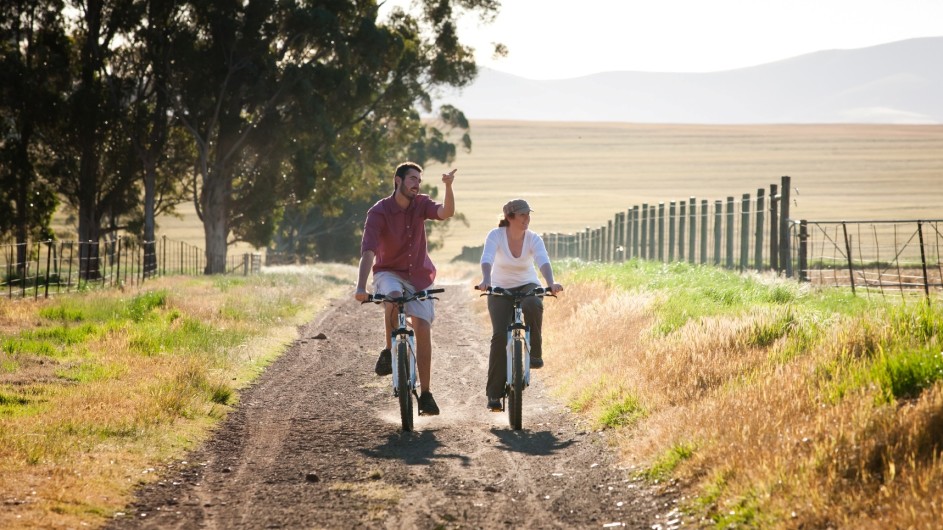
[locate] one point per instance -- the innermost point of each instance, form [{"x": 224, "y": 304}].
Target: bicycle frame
[
  {"x": 402, "y": 335},
  {"x": 404, "y": 353},
  {"x": 518, "y": 340},
  {"x": 518, "y": 331}
]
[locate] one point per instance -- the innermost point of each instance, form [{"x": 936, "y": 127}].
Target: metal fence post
[
  {"x": 923, "y": 262},
  {"x": 851, "y": 270}
]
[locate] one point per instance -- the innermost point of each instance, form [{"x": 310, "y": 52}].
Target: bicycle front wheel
[
  {"x": 516, "y": 392},
  {"x": 403, "y": 391}
]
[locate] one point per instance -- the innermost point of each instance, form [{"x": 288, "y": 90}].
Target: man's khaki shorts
[{"x": 386, "y": 282}]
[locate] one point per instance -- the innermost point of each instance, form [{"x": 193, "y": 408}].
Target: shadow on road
[
  {"x": 413, "y": 448},
  {"x": 532, "y": 443}
]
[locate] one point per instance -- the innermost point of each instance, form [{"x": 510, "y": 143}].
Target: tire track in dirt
[{"x": 315, "y": 443}]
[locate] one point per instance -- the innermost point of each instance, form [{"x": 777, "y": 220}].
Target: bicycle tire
[
  {"x": 404, "y": 392},
  {"x": 516, "y": 393}
]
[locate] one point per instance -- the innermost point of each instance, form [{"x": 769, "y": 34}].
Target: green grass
[
  {"x": 899, "y": 350},
  {"x": 837, "y": 350},
  {"x": 90, "y": 371},
  {"x": 905, "y": 374},
  {"x": 622, "y": 410},
  {"x": 663, "y": 466}
]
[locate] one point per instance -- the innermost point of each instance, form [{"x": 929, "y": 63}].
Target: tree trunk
[
  {"x": 150, "y": 246},
  {"x": 89, "y": 236},
  {"x": 216, "y": 220}
]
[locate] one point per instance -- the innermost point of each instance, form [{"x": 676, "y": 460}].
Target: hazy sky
[{"x": 558, "y": 39}]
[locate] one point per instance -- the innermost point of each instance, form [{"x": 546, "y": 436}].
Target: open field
[{"x": 579, "y": 174}]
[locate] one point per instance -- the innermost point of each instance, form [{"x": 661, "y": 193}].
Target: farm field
[{"x": 579, "y": 174}]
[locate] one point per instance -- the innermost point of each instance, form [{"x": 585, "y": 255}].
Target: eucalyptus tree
[
  {"x": 162, "y": 149},
  {"x": 303, "y": 102},
  {"x": 90, "y": 148},
  {"x": 33, "y": 59}
]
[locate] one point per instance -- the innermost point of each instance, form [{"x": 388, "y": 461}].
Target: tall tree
[
  {"x": 33, "y": 59},
  {"x": 92, "y": 144},
  {"x": 164, "y": 155},
  {"x": 297, "y": 101}
]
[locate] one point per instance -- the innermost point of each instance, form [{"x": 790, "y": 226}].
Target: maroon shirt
[{"x": 398, "y": 238}]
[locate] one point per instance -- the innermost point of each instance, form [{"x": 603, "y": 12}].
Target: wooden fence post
[
  {"x": 651, "y": 232},
  {"x": 682, "y": 215},
  {"x": 718, "y": 224},
  {"x": 644, "y": 244},
  {"x": 744, "y": 232},
  {"x": 671, "y": 231},
  {"x": 730, "y": 221},
  {"x": 774, "y": 227},
  {"x": 704, "y": 217},
  {"x": 661, "y": 231},
  {"x": 610, "y": 240},
  {"x": 587, "y": 256},
  {"x": 758, "y": 248},
  {"x": 785, "y": 256},
  {"x": 635, "y": 230},
  {"x": 803, "y": 251},
  {"x": 692, "y": 226}
]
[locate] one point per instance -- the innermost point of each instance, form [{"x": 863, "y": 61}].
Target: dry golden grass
[
  {"x": 77, "y": 451},
  {"x": 769, "y": 446},
  {"x": 578, "y": 175}
]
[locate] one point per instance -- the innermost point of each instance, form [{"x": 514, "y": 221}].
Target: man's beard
[{"x": 405, "y": 193}]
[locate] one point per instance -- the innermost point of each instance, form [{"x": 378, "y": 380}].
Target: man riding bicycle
[{"x": 395, "y": 236}]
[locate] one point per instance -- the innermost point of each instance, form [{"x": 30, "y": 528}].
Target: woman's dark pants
[{"x": 501, "y": 310}]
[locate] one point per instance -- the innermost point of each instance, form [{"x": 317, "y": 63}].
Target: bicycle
[
  {"x": 404, "y": 368},
  {"x": 518, "y": 352}
]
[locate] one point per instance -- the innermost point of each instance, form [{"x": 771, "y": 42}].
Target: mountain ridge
[{"x": 894, "y": 83}]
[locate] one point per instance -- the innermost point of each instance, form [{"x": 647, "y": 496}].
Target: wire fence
[
  {"x": 875, "y": 256},
  {"x": 47, "y": 268}
]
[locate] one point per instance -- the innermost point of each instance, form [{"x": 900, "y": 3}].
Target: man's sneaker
[
  {"x": 536, "y": 362},
  {"x": 427, "y": 406},
  {"x": 384, "y": 363},
  {"x": 494, "y": 405}
]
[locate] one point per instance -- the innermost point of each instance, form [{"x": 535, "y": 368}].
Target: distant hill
[{"x": 899, "y": 82}]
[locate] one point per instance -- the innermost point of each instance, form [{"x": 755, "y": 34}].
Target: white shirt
[{"x": 506, "y": 270}]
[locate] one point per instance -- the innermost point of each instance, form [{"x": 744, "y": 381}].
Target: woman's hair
[{"x": 504, "y": 220}]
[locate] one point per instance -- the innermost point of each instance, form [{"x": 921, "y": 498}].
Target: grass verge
[
  {"x": 775, "y": 404},
  {"x": 96, "y": 387}
]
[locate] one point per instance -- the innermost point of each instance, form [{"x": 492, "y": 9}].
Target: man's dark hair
[{"x": 402, "y": 169}]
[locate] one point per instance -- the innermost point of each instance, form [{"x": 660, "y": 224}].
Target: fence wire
[
  {"x": 45, "y": 268},
  {"x": 895, "y": 256}
]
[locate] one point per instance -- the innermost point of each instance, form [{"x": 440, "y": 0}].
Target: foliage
[
  {"x": 33, "y": 59},
  {"x": 309, "y": 105},
  {"x": 263, "y": 112}
]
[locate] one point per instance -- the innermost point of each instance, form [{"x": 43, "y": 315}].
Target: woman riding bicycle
[{"x": 507, "y": 261}]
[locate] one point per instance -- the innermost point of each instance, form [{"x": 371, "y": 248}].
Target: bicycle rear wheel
[
  {"x": 404, "y": 392},
  {"x": 516, "y": 392}
]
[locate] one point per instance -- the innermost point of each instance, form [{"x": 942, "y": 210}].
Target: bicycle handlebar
[
  {"x": 419, "y": 295},
  {"x": 500, "y": 291}
]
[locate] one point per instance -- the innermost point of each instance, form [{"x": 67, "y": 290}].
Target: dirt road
[{"x": 316, "y": 443}]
